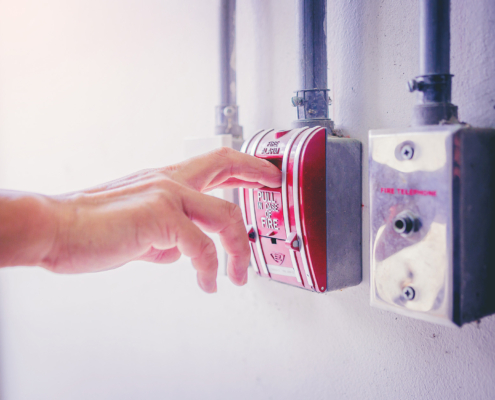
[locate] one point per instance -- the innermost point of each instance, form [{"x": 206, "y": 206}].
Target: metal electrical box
[
  {"x": 432, "y": 219},
  {"x": 308, "y": 232}
]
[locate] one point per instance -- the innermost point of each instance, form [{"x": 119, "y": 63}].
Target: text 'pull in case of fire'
[{"x": 306, "y": 233}]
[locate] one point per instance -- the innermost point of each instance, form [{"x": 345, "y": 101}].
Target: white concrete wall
[{"x": 94, "y": 89}]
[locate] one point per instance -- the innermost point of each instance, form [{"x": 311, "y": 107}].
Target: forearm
[{"x": 28, "y": 228}]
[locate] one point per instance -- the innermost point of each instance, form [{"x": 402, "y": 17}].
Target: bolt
[
  {"x": 251, "y": 235},
  {"x": 407, "y": 152},
  {"x": 408, "y": 293},
  {"x": 323, "y": 288},
  {"x": 297, "y": 101},
  {"x": 412, "y": 85},
  {"x": 295, "y": 244}
]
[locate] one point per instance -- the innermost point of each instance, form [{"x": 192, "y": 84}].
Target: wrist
[{"x": 28, "y": 231}]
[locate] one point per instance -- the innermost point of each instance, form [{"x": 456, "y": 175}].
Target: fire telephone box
[
  {"x": 431, "y": 222},
  {"x": 288, "y": 226}
]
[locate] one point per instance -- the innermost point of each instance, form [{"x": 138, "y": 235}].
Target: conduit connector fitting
[
  {"x": 312, "y": 108},
  {"x": 434, "y": 100},
  {"x": 227, "y": 117},
  {"x": 312, "y": 103}
]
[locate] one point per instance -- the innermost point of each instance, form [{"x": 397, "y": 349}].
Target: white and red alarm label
[{"x": 269, "y": 213}]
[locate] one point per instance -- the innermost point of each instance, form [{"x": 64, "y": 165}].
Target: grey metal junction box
[{"x": 432, "y": 221}]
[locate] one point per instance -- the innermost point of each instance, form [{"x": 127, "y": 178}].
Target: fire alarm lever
[{"x": 288, "y": 226}]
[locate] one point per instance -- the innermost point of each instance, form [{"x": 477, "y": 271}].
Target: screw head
[
  {"x": 407, "y": 152},
  {"x": 408, "y": 293},
  {"x": 297, "y": 101},
  {"x": 228, "y": 111},
  {"x": 412, "y": 85}
]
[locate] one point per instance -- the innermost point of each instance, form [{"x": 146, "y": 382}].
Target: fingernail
[
  {"x": 241, "y": 277},
  {"x": 207, "y": 285}
]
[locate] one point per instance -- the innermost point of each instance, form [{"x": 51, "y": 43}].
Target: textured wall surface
[{"x": 94, "y": 89}]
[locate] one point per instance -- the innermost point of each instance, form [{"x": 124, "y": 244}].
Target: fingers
[
  {"x": 161, "y": 256},
  {"x": 211, "y": 170},
  {"x": 237, "y": 183},
  {"x": 220, "y": 216},
  {"x": 192, "y": 242}
]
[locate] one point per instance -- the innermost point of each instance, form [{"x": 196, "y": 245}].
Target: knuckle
[
  {"x": 155, "y": 182},
  {"x": 208, "y": 247},
  {"x": 169, "y": 171},
  {"x": 224, "y": 152},
  {"x": 234, "y": 212},
  {"x": 163, "y": 198},
  {"x": 168, "y": 188},
  {"x": 208, "y": 253},
  {"x": 165, "y": 195},
  {"x": 226, "y": 159}
]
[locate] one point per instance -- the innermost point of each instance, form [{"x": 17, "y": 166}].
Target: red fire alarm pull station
[{"x": 287, "y": 227}]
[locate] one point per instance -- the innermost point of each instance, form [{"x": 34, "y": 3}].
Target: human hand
[{"x": 156, "y": 215}]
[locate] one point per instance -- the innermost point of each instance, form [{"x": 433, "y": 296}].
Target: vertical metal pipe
[
  {"x": 227, "y": 53},
  {"x": 312, "y": 51},
  {"x": 227, "y": 113},
  {"x": 312, "y": 98},
  {"x": 434, "y": 37},
  {"x": 434, "y": 83}
]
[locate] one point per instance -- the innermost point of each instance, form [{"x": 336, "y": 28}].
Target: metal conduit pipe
[
  {"x": 227, "y": 113},
  {"x": 434, "y": 37},
  {"x": 311, "y": 17},
  {"x": 312, "y": 99},
  {"x": 434, "y": 83}
]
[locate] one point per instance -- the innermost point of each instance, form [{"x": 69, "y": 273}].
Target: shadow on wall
[
  {"x": 345, "y": 38},
  {"x": 263, "y": 75},
  {"x": 349, "y": 80},
  {"x": 472, "y": 60}
]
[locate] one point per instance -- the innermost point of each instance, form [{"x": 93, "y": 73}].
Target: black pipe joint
[
  {"x": 435, "y": 88},
  {"x": 435, "y": 99}
]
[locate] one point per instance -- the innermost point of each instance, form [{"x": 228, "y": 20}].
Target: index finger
[
  {"x": 213, "y": 169},
  {"x": 219, "y": 216}
]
